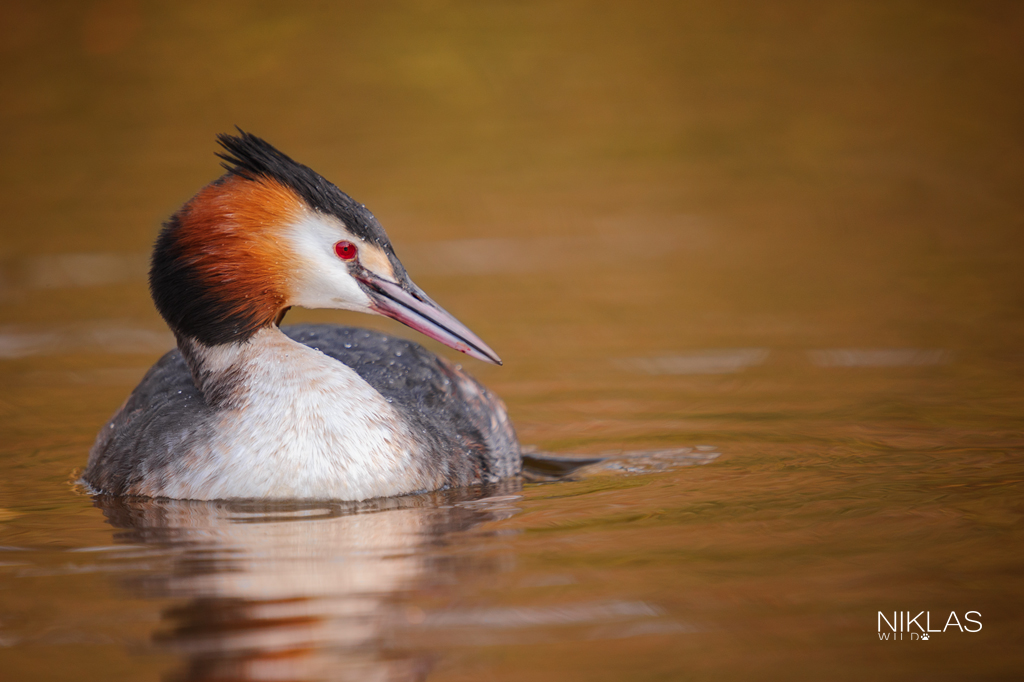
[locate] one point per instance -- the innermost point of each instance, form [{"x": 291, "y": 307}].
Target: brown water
[{"x": 784, "y": 245}]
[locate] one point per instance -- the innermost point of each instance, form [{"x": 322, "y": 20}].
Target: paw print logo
[{"x": 925, "y": 636}]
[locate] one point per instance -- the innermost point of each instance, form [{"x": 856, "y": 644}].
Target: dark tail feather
[{"x": 545, "y": 466}]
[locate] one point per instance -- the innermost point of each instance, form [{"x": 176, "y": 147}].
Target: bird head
[{"x": 272, "y": 233}]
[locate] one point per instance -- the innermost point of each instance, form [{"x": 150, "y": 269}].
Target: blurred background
[{"x": 792, "y": 232}]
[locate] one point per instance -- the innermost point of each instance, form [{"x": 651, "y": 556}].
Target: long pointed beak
[{"x": 425, "y": 316}]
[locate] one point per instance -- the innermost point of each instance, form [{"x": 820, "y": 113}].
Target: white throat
[{"x": 292, "y": 422}]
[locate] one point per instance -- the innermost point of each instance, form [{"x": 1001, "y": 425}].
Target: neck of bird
[{"x": 221, "y": 371}]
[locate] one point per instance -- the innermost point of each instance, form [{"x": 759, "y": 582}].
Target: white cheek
[{"x": 320, "y": 279}]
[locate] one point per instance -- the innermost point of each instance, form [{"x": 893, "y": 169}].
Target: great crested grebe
[{"x": 245, "y": 409}]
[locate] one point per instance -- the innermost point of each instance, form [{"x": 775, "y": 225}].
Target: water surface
[{"x": 776, "y": 251}]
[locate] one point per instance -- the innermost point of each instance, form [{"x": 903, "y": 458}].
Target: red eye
[{"x": 345, "y": 250}]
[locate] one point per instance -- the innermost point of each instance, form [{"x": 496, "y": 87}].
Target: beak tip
[
  {"x": 420, "y": 313},
  {"x": 487, "y": 355}
]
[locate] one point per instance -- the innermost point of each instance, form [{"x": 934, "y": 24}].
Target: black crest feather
[{"x": 251, "y": 157}]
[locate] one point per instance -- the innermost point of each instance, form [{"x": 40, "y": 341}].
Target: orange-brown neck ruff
[{"x": 220, "y": 266}]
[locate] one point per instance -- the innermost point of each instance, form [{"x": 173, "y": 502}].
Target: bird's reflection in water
[{"x": 300, "y": 591}]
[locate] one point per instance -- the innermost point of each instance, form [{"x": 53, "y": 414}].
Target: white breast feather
[{"x": 306, "y": 426}]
